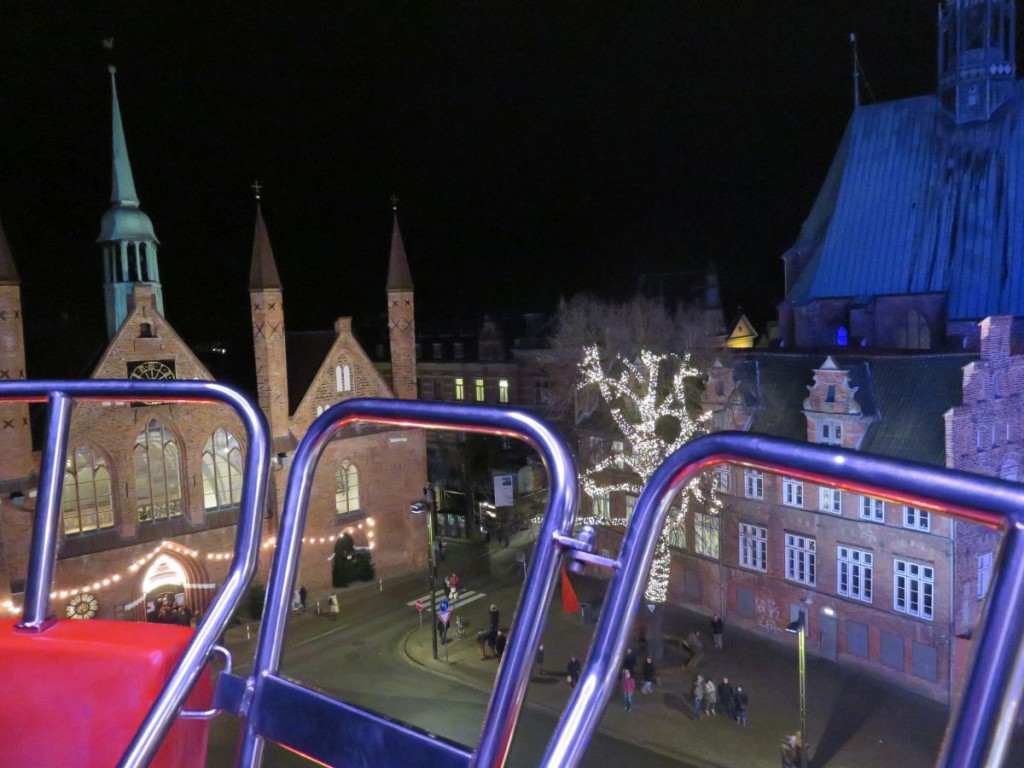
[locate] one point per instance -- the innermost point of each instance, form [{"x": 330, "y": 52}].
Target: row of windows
[
  {"x": 87, "y": 502},
  {"x": 480, "y": 390},
  {"x": 829, "y": 499}
]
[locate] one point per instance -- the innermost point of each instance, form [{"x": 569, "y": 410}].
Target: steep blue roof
[{"x": 916, "y": 204}]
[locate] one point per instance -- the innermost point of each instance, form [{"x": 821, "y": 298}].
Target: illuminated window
[
  {"x": 460, "y": 389},
  {"x": 479, "y": 386},
  {"x": 222, "y": 470},
  {"x": 630, "y": 505},
  {"x": 705, "y": 535},
  {"x": 346, "y": 488},
  {"x": 602, "y": 507},
  {"x": 830, "y": 500},
  {"x": 753, "y": 484},
  {"x": 86, "y": 501},
  {"x": 918, "y": 519},
  {"x": 753, "y": 547},
  {"x": 856, "y": 570},
  {"x": 984, "y": 574},
  {"x": 503, "y": 391},
  {"x": 872, "y": 509},
  {"x": 157, "y": 474},
  {"x": 677, "y": 535},
  {"x": 792, "y": 492},
  {"x": 343, "y": 378},
  {"x": 801, "y": 559},
  {"x": 913, "y": 589}
]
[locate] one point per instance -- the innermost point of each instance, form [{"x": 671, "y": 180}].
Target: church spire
[
  {"x": 263, "y": 271},
  {"x": 401, "y": 315},
  {"x": 977, "y": 53},
  {"x": 399, "y": 277},
  {"x": 126, "y": 233}
]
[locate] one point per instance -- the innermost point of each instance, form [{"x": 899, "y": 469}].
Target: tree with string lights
[{"x": 646, "y": 398}]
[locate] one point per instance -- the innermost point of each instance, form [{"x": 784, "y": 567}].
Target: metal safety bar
[
  {"x": 983, "y": 718},
  {"x": 282, "y": 710},
  {"x": 36, "y": 615}
]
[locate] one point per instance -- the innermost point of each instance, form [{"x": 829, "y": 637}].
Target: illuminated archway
[{"x": 173, "y": 578}]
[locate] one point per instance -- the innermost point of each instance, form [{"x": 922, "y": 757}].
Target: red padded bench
[{"x": 75, "y": 694}]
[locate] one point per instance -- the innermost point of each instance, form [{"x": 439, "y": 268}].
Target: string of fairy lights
[
  {"x": 645, "y": 410},
  {"x": 132, "y": 568}
]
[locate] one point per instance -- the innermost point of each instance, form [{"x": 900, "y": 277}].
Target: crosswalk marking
[{"x": 464, "y": 598}]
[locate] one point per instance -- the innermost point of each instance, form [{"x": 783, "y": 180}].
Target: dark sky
[{"x": 538, "y": 148}]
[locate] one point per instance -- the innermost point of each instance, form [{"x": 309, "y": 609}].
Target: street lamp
[
  {"x": 799, "y": 628},
  {"x": 417, "y": 508}
]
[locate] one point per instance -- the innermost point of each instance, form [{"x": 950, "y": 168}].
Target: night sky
[{"x": 538, "y": 149}]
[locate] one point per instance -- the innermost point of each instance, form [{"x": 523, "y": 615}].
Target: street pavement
[{"x": 852, "y": 718}]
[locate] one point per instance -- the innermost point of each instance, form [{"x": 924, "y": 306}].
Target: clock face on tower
[
  {"x": 82, "y": 606},
  {"x": 151, "y": 369}
]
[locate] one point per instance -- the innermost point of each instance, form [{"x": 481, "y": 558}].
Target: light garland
[
  {"x": 134, "y": 566},
  {"x": 639, "y": 401}
]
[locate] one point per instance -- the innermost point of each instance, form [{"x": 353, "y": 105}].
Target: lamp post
[
  {"x": 799, "y": 627},
  {"x": 417, "y": 508}
]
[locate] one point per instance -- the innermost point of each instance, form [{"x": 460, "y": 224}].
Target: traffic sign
[
  {"x": 443, "y": 616},
  {"x": 419, "y": 606},
  {"x": 443, "y": 606}
]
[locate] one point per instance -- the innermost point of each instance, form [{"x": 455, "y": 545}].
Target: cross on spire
[
  {"x": 256, "y": 187},
  {"x": 394, "y": 202}
]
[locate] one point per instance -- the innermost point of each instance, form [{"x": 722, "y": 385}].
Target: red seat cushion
[{"x": 76, "y": 693}]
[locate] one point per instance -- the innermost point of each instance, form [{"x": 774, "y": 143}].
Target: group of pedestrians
[
  {"x": 710, "y": 700},
  {"x": 628, "y": 677}
]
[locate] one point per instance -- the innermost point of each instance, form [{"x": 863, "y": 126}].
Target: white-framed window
[
  {"x": 222, "y": 470},
  {"x": 984, "y": 574},
  {"x": 918, "y": 519},
  {"x": 460, "y": 389},
  {"x": 479, "y": 386},
  {"x": 723, "y": 478},
  {"x": 503, "y": 391},
  {"x": 630, "y": 500},
  {"x": 87, "y": 502},
  {"x": 792, "y": 492},
  {"x": 872, "y": 509},
  {"x": 753, "y": 547},
  {"x": 705, "y": 534},
  {"x": 913, "y": 588},
  {"x": 856, "y": 571},
  {"x": 602, "y": 507},
  {"x": 801, "y": 560},
  {"x": 830, "y": 432},
  {"x": 830, "y": 500},
  {"x": 753, "y": 484},
  {"x": 677, "y": 532},
  {"x": 346, "y": 488},
  {"x": 343, "y": 378}
]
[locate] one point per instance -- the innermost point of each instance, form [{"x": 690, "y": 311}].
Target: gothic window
[
  {"x": 915, "y": 334},
  {"x": 346, "y": 488},
  {"x": 86, "y": 502},
  {"x": 157, "y": 466},
  {"x": 222, "y": 470},
  {"x": 343, "y": 378},
  {"x": 842, "y": 336}
]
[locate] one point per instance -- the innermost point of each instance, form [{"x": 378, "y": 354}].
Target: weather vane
[{"x": 256, "y": 187}]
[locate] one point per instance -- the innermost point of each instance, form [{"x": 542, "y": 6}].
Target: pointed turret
[
  {"x": 15, "y": 436},
  {"x": 401, "y": 315},
  {"x": 977, "y": 57},
  {"x": 126, "y": 233},
  {"x": 266, "y": 303}
]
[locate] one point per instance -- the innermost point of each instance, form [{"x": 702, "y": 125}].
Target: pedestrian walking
[
  {"x": 628, "y": 686},
  {"x": 296, "y": 601},
  {"x": 629, "y": 662},
  {"x": 789, "y": 752},
  {"x": 649, "y": 675},
  {"x": 710, "y": 698},
  {"x": 538, "y": 659},
  {"x": 725, "y": 698},
  {"x": 442, "y": 631},
  {"x": 698, "y": 696},
  {"x": 499, "y": 644},
  {"x": 740, "y": 701},
  {"x": 696, "y": 644},
  {"x": 493, "y": 618},
  {"x": 573, "y": 671},
  {"x": 716, "y": 629},
  {"x": 303, "y": 594},
  {"x": 332, "y": 606},
  {"x": 481, "y": 643}
]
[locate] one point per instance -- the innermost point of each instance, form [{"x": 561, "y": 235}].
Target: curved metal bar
[
  {"x": 514, "y": 674},
  {"x": 976, "y": 737},
  {"x": 209, "y": 714},
  {"x": 243, "y": 565}
]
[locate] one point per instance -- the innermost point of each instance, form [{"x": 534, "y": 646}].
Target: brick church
[{"x": 151, "y": 492}]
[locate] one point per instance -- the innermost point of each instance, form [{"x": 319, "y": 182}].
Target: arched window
[
  {"x": 916, "y": 334},
  {"x": 86, "y": 503},
  {"x": 343, "y": 378},
  {"x": 157, "y": 474},
  {"x": 346, "y": 488},
  {"x": 842, "y": 336},
  {"x": 222, "y": 470}
]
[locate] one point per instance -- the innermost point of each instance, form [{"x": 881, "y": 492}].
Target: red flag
[{"x": 570, "y": 603}]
